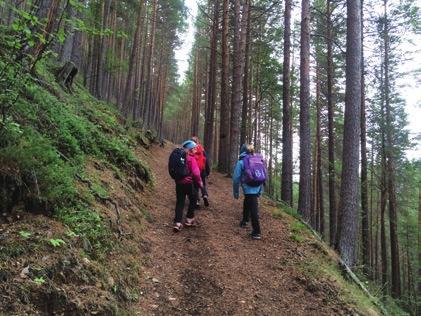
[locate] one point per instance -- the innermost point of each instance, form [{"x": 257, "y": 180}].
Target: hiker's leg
[
  {"x": 204, "y": 189},
  {"x": 246, "y": 208},
  {"x": 179, "y": 205},
  {"x": 254, "y": 210},
  {"x": 192, "y": 194},
  {"x": 196, "y": 191}
]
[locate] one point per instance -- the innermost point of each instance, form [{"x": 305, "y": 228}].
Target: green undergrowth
[
  {"x": 48, "y": 138},
  {"x": 326, "y": 271},
  {"x": 322, "y": 271}
]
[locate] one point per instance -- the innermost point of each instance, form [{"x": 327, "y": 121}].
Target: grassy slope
[
  {"x": 321, "y": 265},
  {"x": 68, "y": 159}
]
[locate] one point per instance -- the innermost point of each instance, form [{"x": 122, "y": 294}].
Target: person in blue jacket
[{"x": 251, "y": 194}]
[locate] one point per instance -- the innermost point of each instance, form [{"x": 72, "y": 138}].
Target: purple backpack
[{"x": 254, "y": 170}]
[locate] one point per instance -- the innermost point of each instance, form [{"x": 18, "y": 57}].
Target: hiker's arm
[
  {"x": 236, "y": 180},
  {"x": 261, "y": 190},
  {"x": 207, "y": 167},
  {"x": 196, "y": 173}
]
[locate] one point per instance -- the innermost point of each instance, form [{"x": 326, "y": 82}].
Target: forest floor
[{"x": 217, "y": 269}]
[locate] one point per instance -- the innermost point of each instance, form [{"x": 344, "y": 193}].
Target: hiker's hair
[
  {"x": 195, "y": 139},
  {"x": 250, "y": 149}
]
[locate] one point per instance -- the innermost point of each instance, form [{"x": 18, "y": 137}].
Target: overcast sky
[{"x": 411, "y": 90}]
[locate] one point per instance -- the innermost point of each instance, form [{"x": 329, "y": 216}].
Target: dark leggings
[
  {"x": 204, "y": 189},
  {"x": 181, "y": 191},
  {"x": 251, "y": 209}
]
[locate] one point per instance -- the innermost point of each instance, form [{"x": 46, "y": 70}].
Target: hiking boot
[
  {"x": 206, "y": 201},
  {"x": 190, "y": 222},
  {"x": 255, "y": 236},
  {"x": 243, "y": 224},
  {"x": 177, "y": 227},
  {"x": 197, "y": 205}
]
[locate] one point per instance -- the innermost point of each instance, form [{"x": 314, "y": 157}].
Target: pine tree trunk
[
  {"x": 48, "y": 9},
  {"x": 390, "y": 163},
  {"x": 244, "y": 113},
  {"x": 210, "y": 111},
  {"x": 365, "y": 241},
  {"x": 149, "y": 76},
  {"x": 287, "y": 163},
  {"x": 320, "y": 207},
  {"x": 224, "y": 138},
  {"x": 383, "y": 202},
  {"x": 372, "y": 214},
  {"x": 76, "y": 53},
  {"x": 333, "y": 216},
  {"x": 305, "y": 138},
  {"x": 236, "y": 104},
  {"x": 352, "y": 124},
  {"x": 66, "y": 50},
  {"x": 195, "y": 100},
  {"x": 143, "y": 86},
  {"x": 128, "y": 94},
  {"x": 418, "y": 300},
  {"x": 102, "y": 51}
]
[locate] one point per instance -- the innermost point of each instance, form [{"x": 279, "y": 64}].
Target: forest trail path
[{"x": 215, "y": 268}]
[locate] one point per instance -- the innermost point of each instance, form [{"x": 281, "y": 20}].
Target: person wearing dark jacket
[
  {"x": 186, "y": 187},
  {"x": 251, "y": 194}
]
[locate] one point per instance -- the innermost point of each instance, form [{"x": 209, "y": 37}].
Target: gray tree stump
[{"x": 66, "y": 75}]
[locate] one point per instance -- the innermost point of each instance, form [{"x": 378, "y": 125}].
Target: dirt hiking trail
[{"x": 216, "y": 268}]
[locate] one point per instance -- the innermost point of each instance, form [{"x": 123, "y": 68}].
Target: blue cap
[{"x": 189, "y": 144}]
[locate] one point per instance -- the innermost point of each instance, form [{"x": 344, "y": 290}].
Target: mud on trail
[{"x": 216, "y": 269}]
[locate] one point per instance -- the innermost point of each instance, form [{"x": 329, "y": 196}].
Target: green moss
[
  {"x": 47, "y": 140},
  {"x": 299, "y": 231},
  {"x": 325, "y": 269},
  {"x": 88, "y": 224}
]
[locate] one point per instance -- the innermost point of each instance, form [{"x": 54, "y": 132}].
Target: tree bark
[
  {"x": 224, "y": 138},
  {"x": 305, "y": 137},
  {"x": 333, "y": 216},
  {"x": 128, "y": 94},
  {"x": 195, "y": 100},
  {"x": 349, "y": 188},
  {"x": 210, "y": 111},
  {"x": 236, "y": 104},
  {"x": 149, "y": 76},
  {"x": 320, "y": 206},
  {"x": 383, "y": 203},
  {"x": 246, "y": 33},
  {"x": 48, "y": 10},
  {"x": 287, "y": 163},
  {"x": 365, "y": 241},
  {"x": 419, "y": 254},
  {"x": 390, "y": 163}
]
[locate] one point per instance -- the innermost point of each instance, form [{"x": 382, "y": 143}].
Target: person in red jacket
[
  {"x": 186, "y": 186},
  {"x": 203, "y": 164}
]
